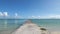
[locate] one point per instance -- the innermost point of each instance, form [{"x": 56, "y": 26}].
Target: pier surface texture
[{"x": 28, "y": 28}]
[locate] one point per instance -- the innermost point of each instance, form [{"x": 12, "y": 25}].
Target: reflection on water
[
  {"x": 9, "y": 25},
  {"x": 5, "y": 26},
  {"x": 16, "y": 22}
]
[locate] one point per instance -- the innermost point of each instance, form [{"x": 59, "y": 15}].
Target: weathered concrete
[{"x": 28, "y": 28}]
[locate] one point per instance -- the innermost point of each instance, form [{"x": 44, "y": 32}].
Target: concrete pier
[{"x": 28, "y": 28}]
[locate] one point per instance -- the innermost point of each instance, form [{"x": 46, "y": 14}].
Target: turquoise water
[{"x": 7, "y": 26}]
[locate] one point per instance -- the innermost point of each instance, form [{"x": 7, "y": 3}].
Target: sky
[{"x": 30, "y": 8}]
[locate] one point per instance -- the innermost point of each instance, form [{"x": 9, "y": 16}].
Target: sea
[{"x": 7, "y": 26}]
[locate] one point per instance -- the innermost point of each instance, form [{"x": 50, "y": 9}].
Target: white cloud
[
  {"x": 39, "y": 16},
  {"x": 51, "y": 16},
  {"x": 5, "y": 13},
  {"x": 16, "y": 14},
  {"x": 1, "y": 14},
  {"x": 55, "y": 16},
  {"x": 47, "y": 17},
  {"x": 35, "y": 16}
]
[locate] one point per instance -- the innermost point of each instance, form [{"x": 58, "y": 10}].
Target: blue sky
[{"x": 31, "y": 8}]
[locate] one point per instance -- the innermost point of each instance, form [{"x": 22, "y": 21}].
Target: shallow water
[{"x": 7, "y": 26}]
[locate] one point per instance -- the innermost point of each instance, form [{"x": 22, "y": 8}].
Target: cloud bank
[
  {"x": 1, "y": 14},
  {"x": 16, "y": 14},
  {"x": 47, "y": 17},
  {"x": 5, "y": 13}
]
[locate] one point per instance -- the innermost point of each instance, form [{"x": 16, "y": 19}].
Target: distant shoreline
[{"x": 27, "y": 19}]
